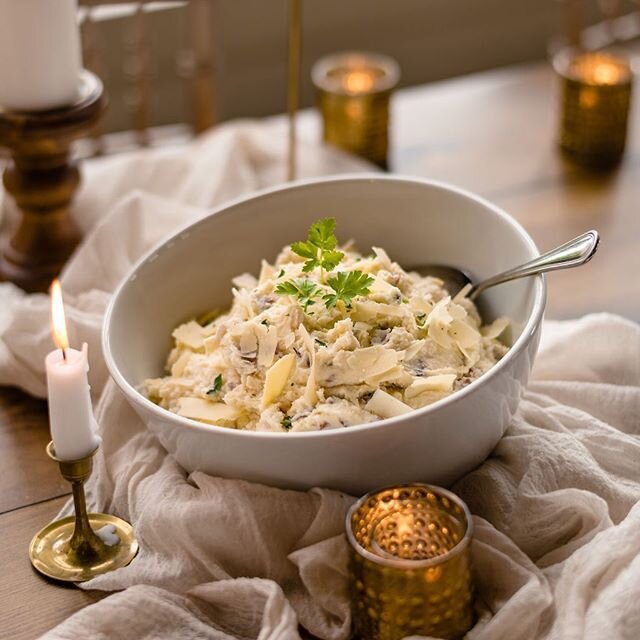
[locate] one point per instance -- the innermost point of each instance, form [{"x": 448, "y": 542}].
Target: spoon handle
[{"x": 571, "y": 254}]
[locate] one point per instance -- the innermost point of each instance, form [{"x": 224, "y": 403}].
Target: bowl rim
[{"x": 528, "y": 331}]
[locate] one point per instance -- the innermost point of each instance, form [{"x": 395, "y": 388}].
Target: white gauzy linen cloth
[{"x": 556, "y": 550}]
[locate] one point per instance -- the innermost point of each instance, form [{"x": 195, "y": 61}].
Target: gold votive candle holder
[
  {"x": 596, "y": 97},
  {"x": 353, "y": 96},
  {"x": 410, "y": 570}
]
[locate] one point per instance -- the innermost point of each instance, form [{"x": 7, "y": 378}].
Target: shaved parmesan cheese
[
  {"x": 386, "y": 406},
  {"x": 205, "y": 411},
  {"x": 267, "y": 343},
  {"x": 383, "y": 257},
  {"x": 311, "y": 388},
  {"x": 496, "y": 328},
  {"x": 189, "y": 335},
  {"x": 243, "y": 302},
  {"x": 213, "y": 342},
  {"x": 276, "y": 379},
  {"x": 178, "y": 366},
  {"x": 463, "y": 292},
  {"x": 442, "y": 382},
  {"x": 464, "y": 335},
  {"x": 457, "y": 311},
  {"x": 267, "y": 272},
  {"x": 368, "y": 310},
  {"x": 245, "y": 281},
  {"x": 386, "y": 376},
  {"x": 248, "y": 341},
  {"x": 421, "y": 305},
  {"x": 381, "y": 288},
  {"x": 413, "y": 350},
  {"x": 354, "y": 367},
  {"x": 439, "y": 332},
  {"x": 211, "y": 329}
]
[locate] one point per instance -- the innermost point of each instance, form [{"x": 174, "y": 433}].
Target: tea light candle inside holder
[
  {"x": 409, "y": 564},
  {"x": 354, "y": 91},
  {"x": 596, "y": 97}
]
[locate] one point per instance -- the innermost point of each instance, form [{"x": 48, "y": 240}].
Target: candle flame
[
  {"x": 606, "y": 74},
  {"x": 358, "y": 81},
  {"x": 57, "y": 317}
]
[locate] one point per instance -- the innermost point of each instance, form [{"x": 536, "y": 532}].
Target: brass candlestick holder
[
  {"x": 42, "y": 178},
  {"x": 293, "y": 85},
  {"x": 410, "y": 566},
  {"x": 85, "y": 545}
]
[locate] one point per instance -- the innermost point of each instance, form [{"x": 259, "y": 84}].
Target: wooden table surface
[{"x": 493, "y": 133}]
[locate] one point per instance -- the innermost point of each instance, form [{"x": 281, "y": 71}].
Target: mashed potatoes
[{"x": 283, "y": 362}]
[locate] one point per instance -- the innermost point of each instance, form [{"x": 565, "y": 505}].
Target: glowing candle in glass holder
[
  {"x": 596, "y": 96},
  {"x": 354, "y": 91},
  {"x": 410, "y": 572}
]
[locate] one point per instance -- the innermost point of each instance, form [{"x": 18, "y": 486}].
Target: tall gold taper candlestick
[
  {"x": 293, "y": 84},
  {"x": 85, "y": 545}
]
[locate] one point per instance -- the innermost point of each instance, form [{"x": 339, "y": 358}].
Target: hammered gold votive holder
[
  {"x": 410, "y": 570},
  {"x": 596, "y": 97},
  {"x": 353, "y": 96}
]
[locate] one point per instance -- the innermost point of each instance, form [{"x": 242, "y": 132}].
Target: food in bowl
[{"x": 326, "y": 338}]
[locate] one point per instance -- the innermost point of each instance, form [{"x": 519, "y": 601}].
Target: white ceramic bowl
[{"x": 416, "y": 221}]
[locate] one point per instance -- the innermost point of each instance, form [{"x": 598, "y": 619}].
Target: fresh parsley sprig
[
  {"x": 320, "y": 247},
  {"x": 347, "y": 285},
  {"x": 217, "y": 385},
  {"x": 320, "y": 252},
  {"x": 303, "y": 289}
]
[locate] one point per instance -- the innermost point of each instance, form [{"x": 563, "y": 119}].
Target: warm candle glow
[
  {"x": 57, "y": 317},
  {"x": 606, "y": 74},
  {"x": 600, "y": 69},
  {"x": 358, "y": 81}
]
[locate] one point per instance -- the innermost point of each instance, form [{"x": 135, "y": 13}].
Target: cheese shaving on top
[{"x": 274, "y": 362}]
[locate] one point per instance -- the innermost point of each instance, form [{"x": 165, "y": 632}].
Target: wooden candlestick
[{"x": 43, "y": 178}]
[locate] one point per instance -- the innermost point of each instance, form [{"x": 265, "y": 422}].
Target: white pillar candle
[
  {"x": 40, "y": 56},
  {"x": 72, "y": 424}
]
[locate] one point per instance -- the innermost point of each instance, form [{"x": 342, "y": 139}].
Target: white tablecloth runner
[{"x": 556, "y": 550}]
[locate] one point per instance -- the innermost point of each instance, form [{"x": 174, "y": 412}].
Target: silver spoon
[{"x": 568, "y": 255}]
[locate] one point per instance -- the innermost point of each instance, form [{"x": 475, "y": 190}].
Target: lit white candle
[
  {"x": 40, "y": 56},
  {"x": 70, "y": 414}
]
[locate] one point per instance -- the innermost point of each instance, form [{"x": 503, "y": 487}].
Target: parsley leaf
[
  {"x": 286, "y": 422},
  {"x": 217, "y": 385},
  {"x": 320, "y": 342},
  {"x": 346, "y": 286},
  {"x": 304, "y": 290},
  {"x": 320, "y": 247},
  {"x": 321, "y": 233}
]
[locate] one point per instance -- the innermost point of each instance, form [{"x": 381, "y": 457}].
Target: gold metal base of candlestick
[
  {"x": 82, "y": 546},
  {"x": 52, "y": 555}
]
